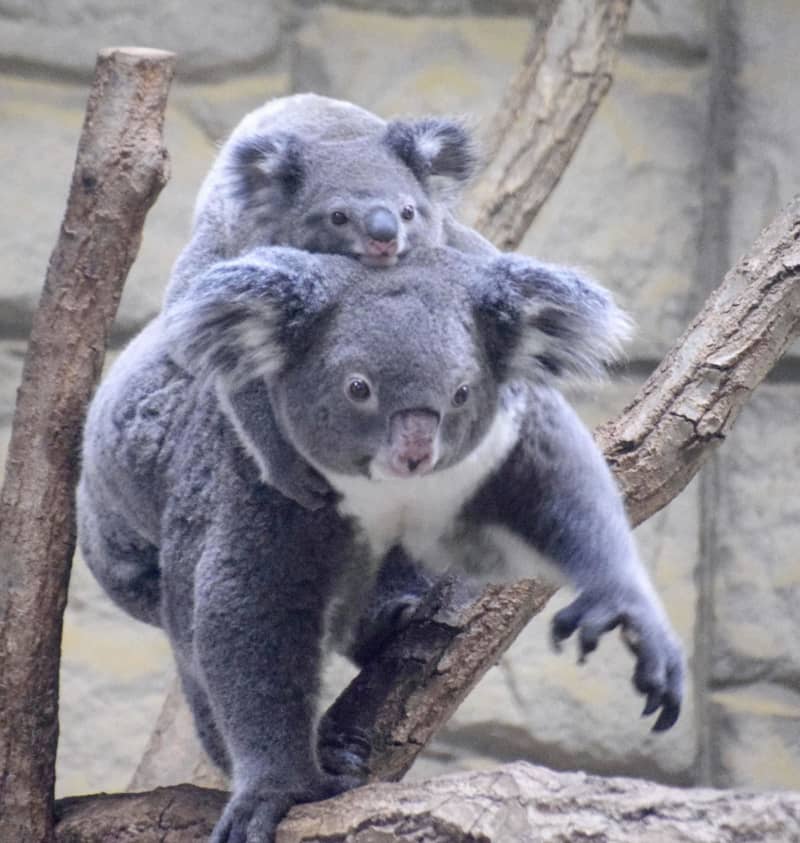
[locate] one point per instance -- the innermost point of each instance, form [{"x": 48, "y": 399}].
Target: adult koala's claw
[{"x": 659, "y": 662}]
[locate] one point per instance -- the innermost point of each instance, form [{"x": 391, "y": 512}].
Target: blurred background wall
[{"x": 692, "y": 152}]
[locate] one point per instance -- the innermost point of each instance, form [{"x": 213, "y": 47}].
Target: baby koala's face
[{"x": 369, "y": 205}]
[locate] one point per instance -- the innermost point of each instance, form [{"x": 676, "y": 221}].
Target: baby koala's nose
[{"x": 381, "y": 225}]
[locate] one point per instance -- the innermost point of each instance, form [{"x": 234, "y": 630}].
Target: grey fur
[
  {"x": 250, "y": 587},
  {"x": 278, "y": 179}
]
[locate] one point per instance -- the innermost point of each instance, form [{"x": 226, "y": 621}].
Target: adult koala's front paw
[
  {"x": 659, "y": 660},
  {"x": 252, "y": 814}
]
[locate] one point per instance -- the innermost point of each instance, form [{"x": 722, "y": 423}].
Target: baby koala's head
[{"x": 374, "y": 196}]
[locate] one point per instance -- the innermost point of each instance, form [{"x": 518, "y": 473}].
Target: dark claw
[
  {"x": 654, "y": 699},
  {"x": 566, "y": 622},
  {"x": 668, "y": 717}
]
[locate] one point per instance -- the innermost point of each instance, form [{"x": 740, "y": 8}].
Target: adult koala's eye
[
  {"x": 338, "y": 218},
  {"x": 408, "y": 212},
  {"x": 358, "y": 390},
  {"x": 461, "y": 395}
]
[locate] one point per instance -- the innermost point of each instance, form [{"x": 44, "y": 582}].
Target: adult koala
[
  {"x": 424, "y": 393},
  {"x": 327, "y": 176}
]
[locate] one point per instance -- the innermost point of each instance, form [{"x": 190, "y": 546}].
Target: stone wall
[{"x": 692, "y": 152}]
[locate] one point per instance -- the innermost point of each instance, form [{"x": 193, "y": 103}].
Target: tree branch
[
  {"x": 547, "y": 108},
  {"x": 120, "y": 169},
  {"x": 513, "y": 803},
  {"x": 688, "y": 405}
]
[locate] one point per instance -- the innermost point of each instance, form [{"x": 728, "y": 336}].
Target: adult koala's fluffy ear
[
  {"x": 439, "y": 152},
  {"x": 265, "y": 170},
  {"x": 246, "y": 316},
  {"x": 548, "y": 323}
]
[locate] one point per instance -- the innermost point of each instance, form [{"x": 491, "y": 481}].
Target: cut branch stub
[{"x": 120, "y": 169}]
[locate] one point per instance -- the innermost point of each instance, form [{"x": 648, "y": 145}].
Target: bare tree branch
[
  {"x": 690, "y": 402},
  {"x": 564, "y": 77},
  {"x": 513, "y": 803},
  {"x": 120, "y": 169}
]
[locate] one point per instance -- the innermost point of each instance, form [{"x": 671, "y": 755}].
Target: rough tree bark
[
  {"x": 545, "y": 112},
  {"x": 120, "y": 169},
  {"x": 515, "y": 803}
]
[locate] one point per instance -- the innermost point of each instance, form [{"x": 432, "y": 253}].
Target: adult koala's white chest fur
[{"x": 424, "y": 513}]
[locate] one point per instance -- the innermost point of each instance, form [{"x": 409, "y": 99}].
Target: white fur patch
[
  {"x": 420, "y": 512},
  {"x": 245, "y": 440},
  {"x": 260, "y": 354}
]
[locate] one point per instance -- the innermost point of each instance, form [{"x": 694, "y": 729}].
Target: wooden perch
[
  {"x": 515, "y": 803},
  {"x": 120, "y": 169}
]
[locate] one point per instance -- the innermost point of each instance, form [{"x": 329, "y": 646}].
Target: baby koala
[{"x": 324, "y": 175}]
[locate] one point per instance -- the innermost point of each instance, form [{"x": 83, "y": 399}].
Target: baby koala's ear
[
  {"x": 439, "y": 151},
  {"x": 265, "y": 170}
]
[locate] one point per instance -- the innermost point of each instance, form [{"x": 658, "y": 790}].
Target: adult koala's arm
[
  {"x": 556, "y": 493},
  {"x": 250, "y": 409}
]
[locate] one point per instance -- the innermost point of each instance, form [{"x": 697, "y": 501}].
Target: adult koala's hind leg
[
  {"x": 400, "y": 587},
  {"x": 125, "y": 564},
  {"x": 204, "y": 722}
]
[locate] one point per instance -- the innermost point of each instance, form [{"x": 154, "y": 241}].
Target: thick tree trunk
[
  {"x": 120, "y": 169},
  {"x": 512, "y": 804}
]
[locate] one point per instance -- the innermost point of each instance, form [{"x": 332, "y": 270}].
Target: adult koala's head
[
  {"x": 393, "y": 372},
  {"x": 373, "y": 195}
]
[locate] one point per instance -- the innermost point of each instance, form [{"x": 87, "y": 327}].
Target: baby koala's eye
[
  {"x": 358, "y": 390},
  {"x": 408, "y": 212},
  {"x": 461, "y": 395},
  {"x": 338, "y": 218}
]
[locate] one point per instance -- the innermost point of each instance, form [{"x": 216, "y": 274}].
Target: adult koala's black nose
[{"x": 381, "y": 224}]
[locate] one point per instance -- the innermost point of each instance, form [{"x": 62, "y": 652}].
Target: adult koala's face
[{"x": 395, "y": 383}]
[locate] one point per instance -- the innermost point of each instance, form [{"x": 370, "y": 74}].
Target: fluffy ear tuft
[
  {"x": 440, "y": 152},
  {"x": 264, "y": 170},
  {"x": 550, "y": 323},
  {"x": 244, "y": 316}
]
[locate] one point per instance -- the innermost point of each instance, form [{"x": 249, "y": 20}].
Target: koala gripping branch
[
  {"x": 120, "y": 169},
  {"x": 655, "y": 447}
]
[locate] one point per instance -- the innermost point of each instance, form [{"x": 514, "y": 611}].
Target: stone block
[
  {"x": 629, "y": 205},
  {"x": 755, "y": 737},
  {"x": 398, "y": 65},
  {"x": 756, "y": 576},
  {"x": 63, "y": 36},
  {"x": 114, "y": 674}
]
